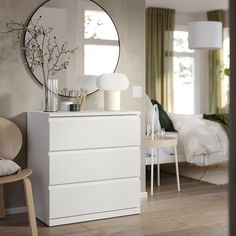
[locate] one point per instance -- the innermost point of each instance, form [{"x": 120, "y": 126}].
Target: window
[
  {"x": 183, "y": 79},
  {"x": 225, "y": 82}
]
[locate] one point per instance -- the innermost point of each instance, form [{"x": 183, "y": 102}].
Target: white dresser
[{"x": 86, "y": 165}]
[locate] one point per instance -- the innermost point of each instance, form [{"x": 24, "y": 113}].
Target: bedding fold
[{"x": 201, "y": 140}]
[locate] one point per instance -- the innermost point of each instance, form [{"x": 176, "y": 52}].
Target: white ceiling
[{"x": 191, "y": 6}]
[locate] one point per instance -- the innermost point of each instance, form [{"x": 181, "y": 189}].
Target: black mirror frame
[{"x": 23, "y": 45}]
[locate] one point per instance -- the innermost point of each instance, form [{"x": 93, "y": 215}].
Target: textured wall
[{"x": 19, "y": 93}]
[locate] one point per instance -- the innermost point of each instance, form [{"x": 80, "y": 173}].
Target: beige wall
[{"x": 19, "y": 93}]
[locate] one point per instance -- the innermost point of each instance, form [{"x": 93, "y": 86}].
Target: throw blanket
[
  {"x": 202, "y": 139},
  {"x": 223, "y": 119}
]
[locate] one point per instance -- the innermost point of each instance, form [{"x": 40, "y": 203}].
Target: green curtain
[
  {"x": 215, "y": 65},
  {"x": 159, "y": 55}
]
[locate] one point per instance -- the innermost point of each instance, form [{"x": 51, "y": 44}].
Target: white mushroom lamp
[{"x": 112, "y": 84}]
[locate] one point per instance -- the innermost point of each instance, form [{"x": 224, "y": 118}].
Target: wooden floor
[{"x": 200, "y": 209}]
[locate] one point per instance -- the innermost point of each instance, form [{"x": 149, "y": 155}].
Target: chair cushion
[{"x": 8, "y": 167}]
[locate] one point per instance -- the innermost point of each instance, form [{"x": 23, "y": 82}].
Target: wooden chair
[{"x": 10, "y": 145}]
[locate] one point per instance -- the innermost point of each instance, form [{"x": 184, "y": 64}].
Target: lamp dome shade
[
  {"x": 112, "y": 82},
  {"x": 205, "y": 35},
  {"x": 87, "y": 82}
]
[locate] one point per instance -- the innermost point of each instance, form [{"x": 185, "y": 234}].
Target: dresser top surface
[{"x": 86, "y": 113}]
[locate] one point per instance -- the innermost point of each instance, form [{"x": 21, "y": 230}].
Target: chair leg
[
  {"x": 30, "y": 206},
  {"x": 2, "y": 206},
  {"x": 177, "y": 169}
]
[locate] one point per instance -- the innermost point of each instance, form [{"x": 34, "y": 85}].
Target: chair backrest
[
  {"x": 150, "y": 110},
  {"x": 10, "y": 139},
  {"x": 155, "y": 117}
]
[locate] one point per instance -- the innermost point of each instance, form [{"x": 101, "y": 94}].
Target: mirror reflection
[{"x": 84, "y": 31}]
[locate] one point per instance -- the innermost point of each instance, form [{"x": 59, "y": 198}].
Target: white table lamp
[
  {"x": 205, "y": 35},
  {"x": 87, "y": 82},
  {"x": 112, "y": 84}
]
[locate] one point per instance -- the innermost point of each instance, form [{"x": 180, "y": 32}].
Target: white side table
[{"x": 162, "y": 143}]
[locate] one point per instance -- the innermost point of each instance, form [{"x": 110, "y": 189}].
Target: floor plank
[{"x": 199, "y": 209}]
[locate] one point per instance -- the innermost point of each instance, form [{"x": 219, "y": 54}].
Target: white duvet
[{"x": 204, "y": 142}]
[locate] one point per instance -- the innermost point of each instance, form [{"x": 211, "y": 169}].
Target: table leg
[
  {"x": 152, "y": 171},
  {"x": 158, "y": 169},
  {"x": 177, "y": 169}
]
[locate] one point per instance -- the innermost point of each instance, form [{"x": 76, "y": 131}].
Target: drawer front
[
  {"x": 94, "y": 197},
  {"x": 96, "y": 164},
  {"x": 72, "y": 133}
]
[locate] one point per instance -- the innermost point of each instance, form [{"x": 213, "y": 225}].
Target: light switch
[{"x": 137, "y": 91}]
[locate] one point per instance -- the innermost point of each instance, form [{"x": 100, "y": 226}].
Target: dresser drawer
[
  {"x": 91, "y": 165},
  {"x": 73, "y": 133},
  {"x": 93, "y": 197}
]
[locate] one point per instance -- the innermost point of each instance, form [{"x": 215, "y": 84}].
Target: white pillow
[
  {"x": 8, "y": 167},
  {"x": 174, "y": 116}
]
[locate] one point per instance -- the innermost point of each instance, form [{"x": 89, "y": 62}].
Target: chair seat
[
  {"x": 16, "y": 177},
  {"x": 10, "y": 145}
]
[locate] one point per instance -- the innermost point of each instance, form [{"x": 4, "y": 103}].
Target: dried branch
[{"x": 41, "y": 49}]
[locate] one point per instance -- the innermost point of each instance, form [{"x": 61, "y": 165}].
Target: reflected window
[
  {"x": 92, "y": 53},
  {"x": 98, "y": 25},
  {"x": 100, "y": 41}
]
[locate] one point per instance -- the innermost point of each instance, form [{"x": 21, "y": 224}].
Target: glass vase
[{"x": 50, "y": 93}]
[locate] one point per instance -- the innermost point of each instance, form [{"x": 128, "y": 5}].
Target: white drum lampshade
[
  {"x": 112, "y": 84},
  {"x": 88, "y": 82},
  {"x": 205, "y": 35}
]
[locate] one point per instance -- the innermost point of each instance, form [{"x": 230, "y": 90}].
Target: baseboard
[
  {"x": 94, "y": 216},
  {"x": 143, "y": 195},
  {"x": 16, "y": 210}
]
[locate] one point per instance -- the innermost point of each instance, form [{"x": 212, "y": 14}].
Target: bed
[{"x": 201, "y": 142}]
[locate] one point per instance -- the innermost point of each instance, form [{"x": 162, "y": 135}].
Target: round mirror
[{"x": 67, "y": 39}]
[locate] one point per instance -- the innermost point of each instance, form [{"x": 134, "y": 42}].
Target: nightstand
[{"x": 162, "y": 142}]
